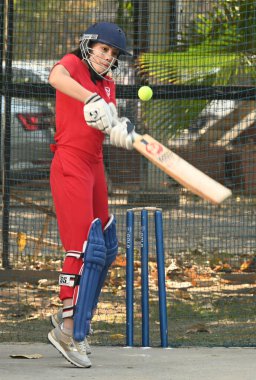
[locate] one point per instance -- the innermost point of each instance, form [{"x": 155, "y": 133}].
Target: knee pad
[
  {"x": 111, "y": 243},
  {"x": 94, "y": 261}
]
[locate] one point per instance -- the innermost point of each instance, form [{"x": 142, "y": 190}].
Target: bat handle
[
  {"x": 135, "y": 136},
  {"x": 131, "y": 129}
]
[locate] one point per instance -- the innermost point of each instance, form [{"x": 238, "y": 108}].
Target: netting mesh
[{"x": 199, "y": 58}]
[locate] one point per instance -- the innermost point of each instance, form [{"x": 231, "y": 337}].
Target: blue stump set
[{"x": 130, "y": 220}]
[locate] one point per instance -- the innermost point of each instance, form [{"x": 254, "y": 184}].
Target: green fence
[{"x": 199, "y": 58}]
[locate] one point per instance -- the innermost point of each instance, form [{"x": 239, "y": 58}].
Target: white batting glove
[
  {"x": 115, "y": 119},
  {"x": 123, "y": 131},
  {"x": 113, "y": 111},
  {"x": 97, "y": 114},
  {"x": 122, "y": 135}
]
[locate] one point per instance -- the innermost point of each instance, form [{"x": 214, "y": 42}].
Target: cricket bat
[{"x": 180, "y": 170}]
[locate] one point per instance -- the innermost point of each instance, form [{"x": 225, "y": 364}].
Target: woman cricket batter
[{"x": 85, "y": 112}]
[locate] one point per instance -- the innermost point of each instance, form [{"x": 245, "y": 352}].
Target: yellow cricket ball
[{"x": 145, "y": 93}]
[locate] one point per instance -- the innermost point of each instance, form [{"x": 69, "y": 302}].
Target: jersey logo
[
  {"x": 107, "y": 89},
  {"x": 94, "y": 115}
]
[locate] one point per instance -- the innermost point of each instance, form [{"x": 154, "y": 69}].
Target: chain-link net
[{"x": 199, "y": 59}]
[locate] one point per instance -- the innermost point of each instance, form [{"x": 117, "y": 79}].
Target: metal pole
[
  {"x": 1, "y": 64},
  {"x": 6, "y": 146}
]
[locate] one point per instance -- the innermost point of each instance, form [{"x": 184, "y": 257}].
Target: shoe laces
[{"x": 82, "y": 346}]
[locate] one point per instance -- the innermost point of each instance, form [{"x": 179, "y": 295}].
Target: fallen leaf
[
  {"x": 21, "y": 241},
  {"x": 191, "y": 273},
  {"x": 249, "y": 265},
  {"x": 200, "y": 327},
  {"x": 178, "y": 285},
  {"x": 117, "y": 336},
  {"x": 202, "y": 282},
  {"x": 29, "y": 356},
  {"x": 120, "y": 262},
  {"x": 223, "y": 267},
  {"x": 183, "y": 294},
  {"x": 172, "y": 267}
]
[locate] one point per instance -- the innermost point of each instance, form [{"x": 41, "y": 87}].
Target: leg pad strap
[{"x": 67, "y": 279}]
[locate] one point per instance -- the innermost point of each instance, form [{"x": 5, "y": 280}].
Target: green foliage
[
  {"x": 217, "y": 48},
  {"x": 124, "y": 16},
  {"x": 47, "y": 29},
  {"x": 124, "y": 12},
  {"x": 231, "y": 24},
  {"x": 169, "y": 116},
  {"x": 195, "y": 66}
]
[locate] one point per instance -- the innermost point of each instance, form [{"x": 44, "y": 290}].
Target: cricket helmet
[{"x": 107, "y": 33}]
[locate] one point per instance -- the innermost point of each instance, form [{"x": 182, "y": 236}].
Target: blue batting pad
[
  {"x": 111, "y": 243},
  {"x": 94, "y": 261}
]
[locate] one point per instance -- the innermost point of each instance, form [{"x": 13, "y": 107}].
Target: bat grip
[
  {"x": 131, "y": 129},
  {"x": 135, "y": 136}
]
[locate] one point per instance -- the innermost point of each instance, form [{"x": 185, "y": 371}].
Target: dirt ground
[
  {"x": 210, "y": 274},
  {"x": 206, "y": 306}
]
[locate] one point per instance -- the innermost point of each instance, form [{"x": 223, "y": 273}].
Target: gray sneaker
[
  {"x": 73, "y": 351},
  {"x": 56, "y": 320}
]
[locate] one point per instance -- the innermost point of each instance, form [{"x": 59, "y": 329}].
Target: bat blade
[{"x": 180, "y": 170}]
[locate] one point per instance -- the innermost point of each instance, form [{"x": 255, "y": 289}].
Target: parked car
[{"x": 32, "y": 129}]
